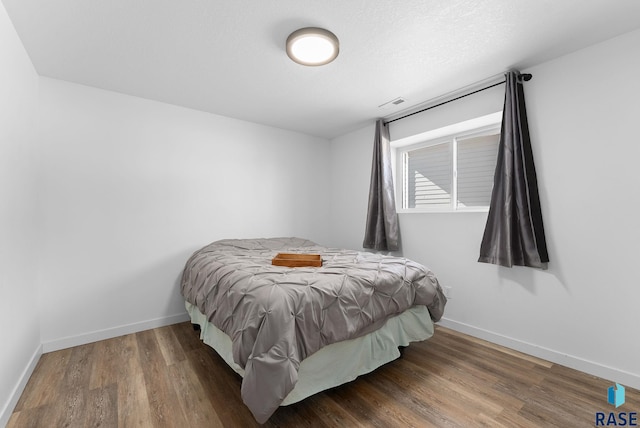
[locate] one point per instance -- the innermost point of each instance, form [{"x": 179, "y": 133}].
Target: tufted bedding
[{"x": 277, "y": 316}]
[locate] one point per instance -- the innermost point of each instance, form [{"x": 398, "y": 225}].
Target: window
[{"x": 449, "y": 169}]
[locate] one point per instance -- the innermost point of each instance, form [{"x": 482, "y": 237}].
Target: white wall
[
  {"x": 582, "y": 311},
  {"x": 132, "y": 187},
  {"x": 19, "y": 320},
  {"x": 351, "y": 156}
]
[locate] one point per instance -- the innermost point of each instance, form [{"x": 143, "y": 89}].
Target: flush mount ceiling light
[{"x": 312, "y": 46}]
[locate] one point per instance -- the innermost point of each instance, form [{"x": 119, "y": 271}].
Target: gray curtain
[
  {"x": 381, "y": 231},
  {"x": 514, "y": 234}
]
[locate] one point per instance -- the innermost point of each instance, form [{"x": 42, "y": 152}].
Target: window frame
[{"x": 484, "y": 125}]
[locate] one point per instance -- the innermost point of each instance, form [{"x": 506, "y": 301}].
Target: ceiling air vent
[{"x": 392, "y": 103}]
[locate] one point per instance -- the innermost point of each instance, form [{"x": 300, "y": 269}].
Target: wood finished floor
[{"x": 166, "y": 377}]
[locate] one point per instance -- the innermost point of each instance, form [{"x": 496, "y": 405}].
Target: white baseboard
[
  {"x": 7, "y": 410},
  {"x": 614, "y": 375},
  {"x": 109, "y": 333}
]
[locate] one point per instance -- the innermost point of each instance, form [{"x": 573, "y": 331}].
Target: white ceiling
[{"x": 228, "y": 57}]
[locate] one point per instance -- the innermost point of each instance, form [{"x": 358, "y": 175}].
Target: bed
[{"x": 292, "y": 332}]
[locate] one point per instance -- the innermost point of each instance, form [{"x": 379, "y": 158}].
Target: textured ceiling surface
[{"x": 228, "y": 57}]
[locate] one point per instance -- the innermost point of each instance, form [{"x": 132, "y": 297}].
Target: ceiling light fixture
[{"x": 312, "y": 46}]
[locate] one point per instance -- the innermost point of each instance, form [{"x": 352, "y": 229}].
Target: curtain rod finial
[{"x": 526, "y": 77}]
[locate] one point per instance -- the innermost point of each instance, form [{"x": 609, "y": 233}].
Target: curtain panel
[
  {"x": 514, "y": 233},
  {"x": 382, "y": 231}
]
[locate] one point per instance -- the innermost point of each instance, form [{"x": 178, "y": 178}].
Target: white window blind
[
  {"x": 452, "y": 173},
  {"x": 430, "y": 179},
  {"x": 476, "y": 167}
]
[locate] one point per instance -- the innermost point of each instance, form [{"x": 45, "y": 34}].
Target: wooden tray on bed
[{"x": 297, "y": 260}]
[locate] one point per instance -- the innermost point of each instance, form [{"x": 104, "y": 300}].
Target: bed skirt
[{"x": 339, "y": 362}]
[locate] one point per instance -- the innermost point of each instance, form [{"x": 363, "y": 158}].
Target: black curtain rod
[{"x": 526, "y": 77}]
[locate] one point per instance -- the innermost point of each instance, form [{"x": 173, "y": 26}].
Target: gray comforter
[{"x": 277, "y": 316}]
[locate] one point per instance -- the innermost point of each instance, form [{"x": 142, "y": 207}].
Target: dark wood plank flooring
[{"x": 167, "y": 377}]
